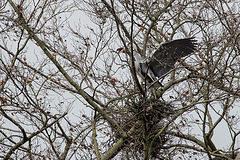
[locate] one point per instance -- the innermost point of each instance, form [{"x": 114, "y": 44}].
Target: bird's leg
[
  {"x": 172, "y": 77},
  {"x": 153, "y": 93}
]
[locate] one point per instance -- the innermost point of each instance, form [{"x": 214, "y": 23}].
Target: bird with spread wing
[{"x": 163, "y": 59}]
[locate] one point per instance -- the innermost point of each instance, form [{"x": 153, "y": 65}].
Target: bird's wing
[{"x": 168, "y": 53}]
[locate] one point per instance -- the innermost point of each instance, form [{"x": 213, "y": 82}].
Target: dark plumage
[
  {"x": 168, "y": 53},
  {"x": 163, "y": 59}
]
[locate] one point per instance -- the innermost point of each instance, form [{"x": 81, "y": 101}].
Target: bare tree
[{"x": 66, "y": 93}]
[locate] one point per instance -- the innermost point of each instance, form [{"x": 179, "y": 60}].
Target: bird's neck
[{"x": 137, "y": 56}]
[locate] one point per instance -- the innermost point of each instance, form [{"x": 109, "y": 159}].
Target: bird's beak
[{"x": 120, "y": 50}]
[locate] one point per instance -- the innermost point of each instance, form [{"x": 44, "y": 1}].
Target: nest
[{"x": 153, "y": 115}]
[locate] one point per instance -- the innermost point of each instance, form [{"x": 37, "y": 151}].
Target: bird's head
[
  {"x": 123, "y": 49},
  {"x": 120, "y": 50}
]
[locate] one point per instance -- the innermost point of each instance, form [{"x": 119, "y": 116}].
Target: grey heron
[{"x": 163, "y": 59}]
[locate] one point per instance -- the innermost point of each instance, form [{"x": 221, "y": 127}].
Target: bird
[
  {"x": 163, "y": 59},
  {"x": 141, "y": 67}
]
